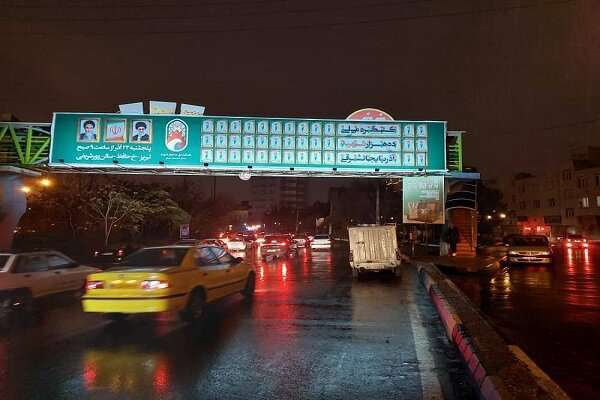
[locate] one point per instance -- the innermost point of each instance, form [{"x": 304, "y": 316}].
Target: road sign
[{"x": 119, "y": 141}]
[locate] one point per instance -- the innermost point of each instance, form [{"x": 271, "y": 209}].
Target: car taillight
[
  {"x": 154, "y": 284},
  {"x": 120, "y": 252},
  {"x": 283, "y": 243},
  {"x": 569, "y": 240},
  {"x": 91, "y": 285}
]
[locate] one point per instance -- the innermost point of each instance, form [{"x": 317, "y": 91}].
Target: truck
[{"x": 374, "y": 248}]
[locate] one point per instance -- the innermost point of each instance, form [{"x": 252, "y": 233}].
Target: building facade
[
  {"x": 276, "y": 193},
  {"x": 561, "y": 201}
]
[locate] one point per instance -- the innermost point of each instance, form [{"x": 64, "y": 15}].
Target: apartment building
[
  {"x": 269, "y": 193},
  {"x": 566, "y": 199}
]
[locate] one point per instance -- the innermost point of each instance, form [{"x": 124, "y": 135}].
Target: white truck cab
[{"x": 374, "y": 248}]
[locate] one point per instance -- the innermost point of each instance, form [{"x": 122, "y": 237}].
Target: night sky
[{"x": 522, "y": 77}]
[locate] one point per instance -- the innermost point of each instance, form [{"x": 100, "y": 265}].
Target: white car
[
  {"x": 321, "y": 242},
  {"x": 236, "y": 244},
  {"x": 31, "y": 275}
]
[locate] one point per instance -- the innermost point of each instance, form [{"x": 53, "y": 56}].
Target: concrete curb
[{"x": 499, "y": 371}]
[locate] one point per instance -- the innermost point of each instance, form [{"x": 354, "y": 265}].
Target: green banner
[
  {"x": 235, "y": 143},
  {"x": 423, "y": 200}
]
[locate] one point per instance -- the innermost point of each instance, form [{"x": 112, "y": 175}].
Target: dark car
[
  {"x": 107, "y": 256},
  {"x": 277, "y": 246},
  {"x": 575, "y": 241}
]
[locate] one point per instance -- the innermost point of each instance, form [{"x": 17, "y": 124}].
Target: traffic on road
[{"x": 311, "y": 331}]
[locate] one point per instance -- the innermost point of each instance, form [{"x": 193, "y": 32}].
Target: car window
[
  {"x": 321, "y": 236},
  {"x": 3, "y": 260},
  {"x": 205, "y": 256},
  {"x": 31, "y": 263},
  {"x": 529, "y": 241},
  {"x": 56, "y": 262},
  {"x": 222, "y": 255},
  {"x": 155, "y": 257},
  {"x": 575, "y": 237}
]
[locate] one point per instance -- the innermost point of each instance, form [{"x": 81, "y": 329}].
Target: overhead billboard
[
  {"x": 234, "y": 143},
  {"x": 423, "y": 200}
]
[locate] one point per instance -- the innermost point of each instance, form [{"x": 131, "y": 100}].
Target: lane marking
[{"x": 430, "y": 384}]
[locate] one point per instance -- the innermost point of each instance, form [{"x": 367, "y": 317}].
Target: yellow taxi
[{"x": 168, "y": 278}]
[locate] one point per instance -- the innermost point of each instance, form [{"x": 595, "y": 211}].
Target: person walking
[{"x": 453, "y": 238}]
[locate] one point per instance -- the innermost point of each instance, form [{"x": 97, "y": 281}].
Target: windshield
[
  {"x": 576, "y": 237},
  {"x": 321, "y": 236},
  {"x": 154, "y": 257},
  {"x": 3, "y": 260},
  {"x": 529, "y": 241}
]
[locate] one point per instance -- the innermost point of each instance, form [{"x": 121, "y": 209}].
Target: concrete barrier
[{"x": 500, "y": 371}]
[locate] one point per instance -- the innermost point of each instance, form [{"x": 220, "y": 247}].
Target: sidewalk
[{"x": 484, "y": 263}]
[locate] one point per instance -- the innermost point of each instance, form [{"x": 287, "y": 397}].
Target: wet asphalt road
[
  {"x": 311, "y": 333},
  {"x": 553, "y": 313}
]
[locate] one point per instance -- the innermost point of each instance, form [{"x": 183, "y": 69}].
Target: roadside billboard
[
  {"x": 423, "y": 200},
  {"x": 121, "y": 141}
]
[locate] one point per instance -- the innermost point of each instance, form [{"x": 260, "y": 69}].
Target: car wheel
[
  {"x": 195, "y": 307},
  {"x": 250, "y": 286}
]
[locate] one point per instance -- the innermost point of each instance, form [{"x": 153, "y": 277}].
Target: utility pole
[{"x": 377, "y": 205}]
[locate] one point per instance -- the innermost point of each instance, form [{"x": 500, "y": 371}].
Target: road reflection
[
  {"x": 125, "y": 371},
  {"x": 553, "y": 312}
]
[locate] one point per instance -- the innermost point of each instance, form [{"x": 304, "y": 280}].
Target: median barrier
[{"x": 498, "y": 370}]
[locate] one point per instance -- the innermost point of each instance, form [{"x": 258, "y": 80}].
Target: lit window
[
  {"x": 585, "y": 202},
  {"x": 597, "y": 201}
]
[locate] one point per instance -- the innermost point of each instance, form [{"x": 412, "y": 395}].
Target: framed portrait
[
  {"x": 141, "y": 131},
  {"x": 115, "y": 130},
  {"x": 89, "y": 130}
]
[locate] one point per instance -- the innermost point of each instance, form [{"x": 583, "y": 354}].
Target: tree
[{"x": 111, "y": 205}]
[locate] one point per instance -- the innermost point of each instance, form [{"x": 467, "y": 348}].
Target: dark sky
[{"x": 522, "y": 76}]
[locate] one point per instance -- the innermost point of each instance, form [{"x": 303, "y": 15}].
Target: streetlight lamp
[
  {"x": 502, "y": 215},
  {"x": 488, "y": 217},
  {"x": 45, "y": 182}
]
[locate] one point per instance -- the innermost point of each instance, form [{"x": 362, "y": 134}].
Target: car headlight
[
  {"x": 512, "y": 253},
  {"x": 544, "y": 253}
]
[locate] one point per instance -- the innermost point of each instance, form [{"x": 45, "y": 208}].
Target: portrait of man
[
  {"x": 88, "y": 130},
  {"x": 141, "y": 131}
]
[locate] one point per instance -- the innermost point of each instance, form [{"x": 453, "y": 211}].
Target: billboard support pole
[{"x": 377, "y": 219}]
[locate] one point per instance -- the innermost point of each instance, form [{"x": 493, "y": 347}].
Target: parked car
[
  {"x": 320, "y": 242},
  {"x": 168, "y": 278},
  {"x": 187, "y": 242},
  {"x": 575, "y": 241},
  {"x": 26, "y": 276},
  {"x": 529, "y": 249},
  {"x": 277, "y": 245}
]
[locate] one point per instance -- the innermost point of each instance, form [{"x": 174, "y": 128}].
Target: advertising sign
[
  {"x": 423, "y": 200},
  {"x": 236, "y": 143},
  {"x": 184, "y": 231}
]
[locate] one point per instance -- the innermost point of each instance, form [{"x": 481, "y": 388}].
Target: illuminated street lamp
[
  {"x": 45, "y": 182},
  {"x": 488, "y": 217},
  {"x": 502, "y": 215}
]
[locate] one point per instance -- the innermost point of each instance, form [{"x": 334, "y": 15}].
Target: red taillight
[
  {"x": 120, "y": 252},
  {"x": 154, "y": 284},
  {"x": 91, "y": 285},
  {"x": 283, "y": 243},
  {"x": 569, "y": 240}
]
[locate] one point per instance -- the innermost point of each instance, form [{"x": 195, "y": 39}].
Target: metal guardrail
[{"x": 24, "y": 143}]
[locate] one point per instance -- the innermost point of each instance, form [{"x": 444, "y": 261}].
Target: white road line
[{"x": 430, "y": 384}]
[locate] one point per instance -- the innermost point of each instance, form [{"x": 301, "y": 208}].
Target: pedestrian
[{"x": 452, "y": 237}]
